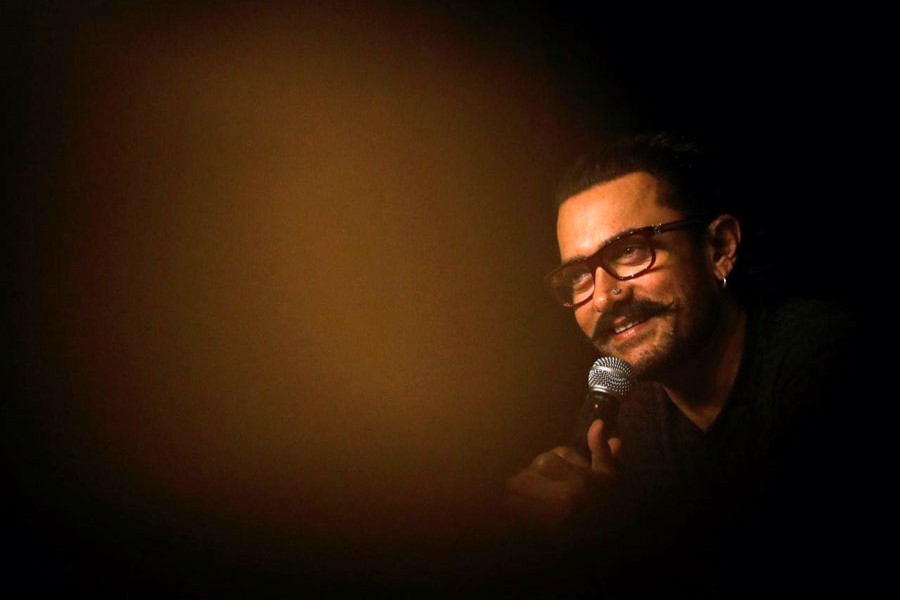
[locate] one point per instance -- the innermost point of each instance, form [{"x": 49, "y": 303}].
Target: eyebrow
[{"x": 582, "y": 257}]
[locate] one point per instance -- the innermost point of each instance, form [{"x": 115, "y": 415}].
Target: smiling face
[{"x": 660, "y": 319}]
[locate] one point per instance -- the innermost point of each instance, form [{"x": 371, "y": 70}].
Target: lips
[
  {"x": 610, "y": 325},
  {"x": 625, "y": 325}
]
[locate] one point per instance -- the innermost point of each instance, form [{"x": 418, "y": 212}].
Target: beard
[{"x": 681, "y": 336}]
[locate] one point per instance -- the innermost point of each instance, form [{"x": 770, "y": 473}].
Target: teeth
[{"x": 628, "y": 325}]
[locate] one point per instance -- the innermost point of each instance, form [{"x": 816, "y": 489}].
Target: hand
[{"x": 560, "y": 486}]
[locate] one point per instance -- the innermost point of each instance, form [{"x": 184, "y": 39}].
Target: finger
[
  {"x": 572, "y": 456},
  {"x": 554, "y": 466},
  {"x": 601, "y": 454},
  {"x": 532, "y": 485},
  {"x": 615, "y": 446}
]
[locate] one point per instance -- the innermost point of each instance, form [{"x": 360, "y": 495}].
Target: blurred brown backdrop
[{"x": 279, "y": 295}]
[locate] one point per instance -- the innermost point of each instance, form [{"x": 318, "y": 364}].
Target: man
[{"x": 723, "y": 460}]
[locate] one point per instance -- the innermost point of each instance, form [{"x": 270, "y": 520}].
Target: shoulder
[
  {"x": 798, "y": 328},
  {"x": 802, "y": 355},
  {"x": 806, "y": 315}
]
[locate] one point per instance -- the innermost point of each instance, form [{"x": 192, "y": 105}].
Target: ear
[{"x": 724, "y": 236}]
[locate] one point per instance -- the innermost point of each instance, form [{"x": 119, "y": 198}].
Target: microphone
[{"x": 610, "y": 382}]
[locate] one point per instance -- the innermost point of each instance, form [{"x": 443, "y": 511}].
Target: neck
[{"x": 701, "y": 397}]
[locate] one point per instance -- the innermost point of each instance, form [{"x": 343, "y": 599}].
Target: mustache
[{"x": 638, "y": 308}]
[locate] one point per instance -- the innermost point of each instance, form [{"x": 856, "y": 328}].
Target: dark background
[{"x": 273, "y": 273}]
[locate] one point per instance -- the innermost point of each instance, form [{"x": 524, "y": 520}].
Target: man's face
[{"x": 662, "y": 318}]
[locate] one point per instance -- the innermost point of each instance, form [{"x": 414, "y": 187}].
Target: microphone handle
[{"x": 598, "y": 404}]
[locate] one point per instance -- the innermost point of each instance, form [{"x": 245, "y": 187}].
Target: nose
[{"x": 604, "y": 290}]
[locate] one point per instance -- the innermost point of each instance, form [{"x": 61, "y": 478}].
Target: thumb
[{"x": 603, "y": 450}]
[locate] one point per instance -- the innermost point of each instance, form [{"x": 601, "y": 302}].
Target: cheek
[
  {"x": 586, "y": 318},
  {"x": 665, "y": 285}
]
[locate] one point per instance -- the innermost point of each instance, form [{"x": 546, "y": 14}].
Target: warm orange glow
[{"x": 294, "y": 277}]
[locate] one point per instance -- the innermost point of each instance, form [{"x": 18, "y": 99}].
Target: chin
[{"x": 650, "y": 361}]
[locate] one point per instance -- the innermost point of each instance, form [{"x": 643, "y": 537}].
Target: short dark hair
[
  {"x": 696, "y": 181},
  {"x": 691, "y": 173}
]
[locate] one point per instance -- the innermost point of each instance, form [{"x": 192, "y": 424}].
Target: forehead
[{"x": 588, "y": 219}]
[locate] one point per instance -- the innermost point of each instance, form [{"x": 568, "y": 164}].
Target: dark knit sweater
[{"x": 766, "y": 484}]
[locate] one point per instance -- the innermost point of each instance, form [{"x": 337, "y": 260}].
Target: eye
[
  {"x": 628, "y": 252},
  {"x": 579, "y": 279}
]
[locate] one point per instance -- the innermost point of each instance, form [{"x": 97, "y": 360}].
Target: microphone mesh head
[{"x": 612, "y": 375}]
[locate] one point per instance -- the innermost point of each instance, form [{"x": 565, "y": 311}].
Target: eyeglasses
[{"x": 626, "y": 256}]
